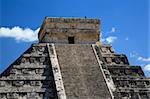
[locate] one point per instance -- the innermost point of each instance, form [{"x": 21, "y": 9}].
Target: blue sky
[{"x": 124, "y": 24}]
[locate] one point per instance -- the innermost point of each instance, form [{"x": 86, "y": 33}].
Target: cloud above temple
[
  {"x": 138, "y": 57},
  {"x": 19, "y": 34},
  {"x": 144, "y": 59},
  {"x": 109, "y": 39}
]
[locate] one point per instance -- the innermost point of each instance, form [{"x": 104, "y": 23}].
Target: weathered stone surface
[
  {"x": 27, "y": 78},
  {"x": 57, "y": 30},
  {"x": 74, "y": 69},
  {"x": 129, "y": 80},
  {"x": 81, "y": 74}
]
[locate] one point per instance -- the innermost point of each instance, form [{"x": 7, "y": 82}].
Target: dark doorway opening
[{"x": 71, "y": 40}]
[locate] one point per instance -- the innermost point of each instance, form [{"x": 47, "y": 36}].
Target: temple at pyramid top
[{"x": 70, "y": 30}]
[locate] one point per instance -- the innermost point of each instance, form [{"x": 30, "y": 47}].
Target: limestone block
[
  {"x": 32, "y": 95},
  {"x": 13, "y": 71},
  {"x": 2, "y": 83},
  {"x": 32, "y": 60},
  {"x": 24, "y": 60},
  {"x": 12, "y": 96},
  {"x": 35, "y": 83},
  {"x": 18, "y": 83},
  {"x": 33, "y": 49},
  {"x": 39, "y": 71},
  {"x": 41, "y": 49},
  {"x": 42, "y": 59},
  {"x": 104, "y": 50},
  {"x": 3, "y": 96},
  {"x": 28, "y": 71},
  {"x": 109, "y": 60}
]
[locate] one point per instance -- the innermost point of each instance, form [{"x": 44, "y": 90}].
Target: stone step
[
  {"x": 23, "y": 77},
  {"x": 34, "y": 55},
  {"x": 23, "y": 89},
  {"x": 29, "y": 66},
  {"x": 139, "y": 90}
]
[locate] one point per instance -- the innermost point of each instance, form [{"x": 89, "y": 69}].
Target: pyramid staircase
[{"x": 124, "y": 80}]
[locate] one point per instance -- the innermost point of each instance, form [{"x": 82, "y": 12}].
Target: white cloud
[
  {"x": 134, "y": 54},
  {"x": 147, "y": 70},
  {"x": 111, "y": 39},
  {"x": 144, "y": 59},
  {"x": 113, "y": 29},
  {"x": 20, "y": 34},
  {"x": 147, "y": 67}
]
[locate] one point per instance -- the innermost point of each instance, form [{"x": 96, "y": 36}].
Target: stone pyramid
[{"x": 69, "y": 62}]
